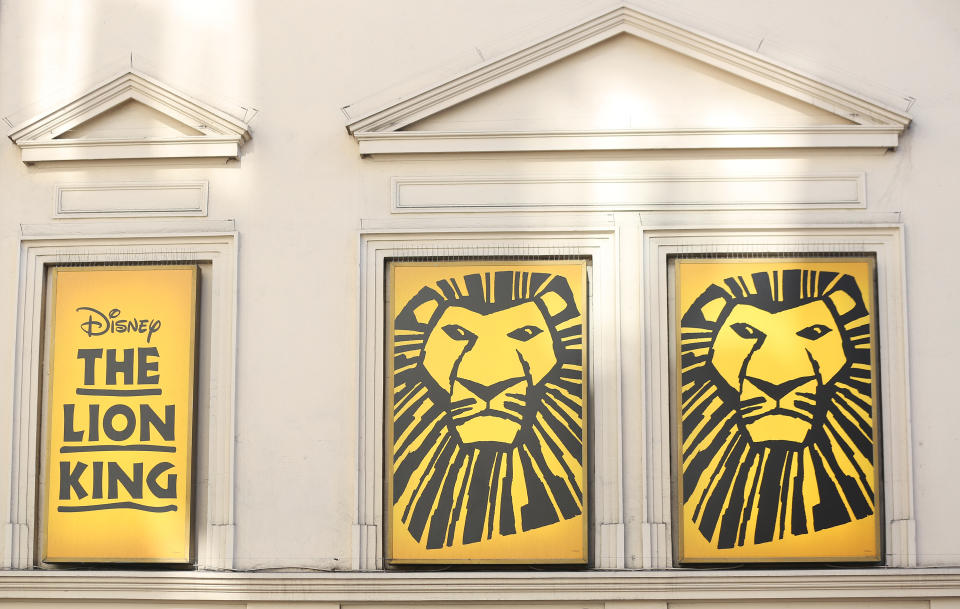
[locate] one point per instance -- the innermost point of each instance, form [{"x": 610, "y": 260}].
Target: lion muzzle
[
  {"x": 778, "y": 412},
  {"x": 488, "y": 413}
]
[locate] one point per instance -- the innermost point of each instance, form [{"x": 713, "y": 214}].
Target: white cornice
[
  {"x": 220, "y": 134},
  {"x": 875, "y": 124},
  {"x": 431, "y": 588},
  {"x": 840, "y": 136}
]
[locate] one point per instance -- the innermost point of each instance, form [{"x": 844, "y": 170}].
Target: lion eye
[
  {"x": 746, "y": 331},
  {"x": 458, "y": 332},
  {"x": 814, "y": 332},
  {"x": 525, "y": 333}
]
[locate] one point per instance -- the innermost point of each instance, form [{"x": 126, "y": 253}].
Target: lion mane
[
  {"x": 740, "y": 490},
  {"x": 450, "y": 490}
]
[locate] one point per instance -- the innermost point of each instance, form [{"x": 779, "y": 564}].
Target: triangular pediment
[
  {"x": 131, "y": 119},
  {"x": 627, "y": 83},
  {"x": 130, "y": 116},
  {"x": 626, "y": 80}
]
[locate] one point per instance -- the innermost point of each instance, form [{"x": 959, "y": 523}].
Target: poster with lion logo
[
  {"x": 776, "y": 410},
  {"x": 486, "y": 412}
]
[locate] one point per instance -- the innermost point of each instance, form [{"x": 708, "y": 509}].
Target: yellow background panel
[
  {"x": 858, "y": 540},
  {"x": 104, "y": 530},
  {"x": 562, "y": 542}
]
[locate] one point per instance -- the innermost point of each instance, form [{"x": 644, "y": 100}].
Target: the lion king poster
[
  {"x": 776, "y": 410},
  {"x": 486, "y": 412}
]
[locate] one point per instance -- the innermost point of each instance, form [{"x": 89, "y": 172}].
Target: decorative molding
[
  {"x": 426, "y": 589},
  {"x": 141, "y": 148},
  {"x": 611, "y": 538},
  {"x": 655, "y": 538},
  {"x": 763, "y": 218},
  {"x": 885, "y": 241},
  {"x": 111, "y": 229},
  {"x": 367, "y": 547},
  {"x": 903, "y": 534},
  {"x": 210, "y": 243},
  {"x": 626, "y": 193},
  {"x": 531, "y": 223},
  {"x": 379, "y": 244},
  {"x": 428, "y": 142},
  {"x": 220, "y": 134},
  {"x": 132, "y": 199},
  {"x": 875, "y": 125}
]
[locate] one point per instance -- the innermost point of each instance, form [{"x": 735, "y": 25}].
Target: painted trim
[
  {"x": 398, "y": 242},
  {"x": 883, "y": 241},
  {"x": 428, "y": 142},
  {"x": 378, "y": 130},
  {"x": 410, "y": 194},
  {"x": 222, "y": 134},
  {"x": 188, "y": 198},
  {"x": 112, "y": 242},
  {"x": 432, "y": 589},
  {"x": 144, "y": 148}
]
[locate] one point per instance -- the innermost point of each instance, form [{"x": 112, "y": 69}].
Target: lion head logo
[
  {"x": 488, "y": 398},
  {"x": 776, "y": 406}
]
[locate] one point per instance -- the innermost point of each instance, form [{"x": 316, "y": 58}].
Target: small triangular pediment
[
  {"x": 626, "y": 80},
  {"x": 130, "y": 116},
  {"x": 131, "y": 119}
]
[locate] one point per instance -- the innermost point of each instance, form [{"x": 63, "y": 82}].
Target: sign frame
[
  {"x": 465, "y": 266},
  {"x": 189, "y": 389},
  {"x": 867, "y": 284}
]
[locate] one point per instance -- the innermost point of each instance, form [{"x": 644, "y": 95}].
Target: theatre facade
[{"x": 562, "y": 304}]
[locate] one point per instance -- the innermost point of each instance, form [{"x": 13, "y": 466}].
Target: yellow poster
[
  {"x": 120, "y": 415},
  {"x": 486, "y": 412},
  {"x": 776, "y": 416}
]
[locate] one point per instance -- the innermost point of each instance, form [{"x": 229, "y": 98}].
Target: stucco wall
[{"x": 300, "y": 189}]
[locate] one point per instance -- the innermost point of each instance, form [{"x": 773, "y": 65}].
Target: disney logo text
[{"x": 108, "y": 322}]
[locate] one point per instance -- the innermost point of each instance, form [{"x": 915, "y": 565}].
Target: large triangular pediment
[
  {"x": 130, "y": 116},
  {"x": 626, "y": 80},
  {"x": 627, "y": 83}
]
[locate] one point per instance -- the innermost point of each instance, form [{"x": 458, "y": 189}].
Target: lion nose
[
  {"x": 488, "y": 392},
  {"x": 778, "y": 390}
]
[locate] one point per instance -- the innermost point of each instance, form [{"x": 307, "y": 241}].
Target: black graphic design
[
  {"x": 776, "y": 407},
  {"x": 487, "y": 407}
]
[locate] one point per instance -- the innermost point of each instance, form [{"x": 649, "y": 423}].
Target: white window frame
[
  {"x": 603, "y": 391},
  {"x": 43, "y": 246},
  {"x": 885, "y": 241}
]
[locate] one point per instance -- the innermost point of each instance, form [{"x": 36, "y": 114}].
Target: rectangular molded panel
[
  {"x": 132, "y": 199},
  {"x": 456, "y": 193}
]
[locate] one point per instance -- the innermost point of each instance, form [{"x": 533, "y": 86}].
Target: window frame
[
  {"x": 43, "y": 246},
  {"x": 598, "y": 243},
  {"x": 885, "y": 242}
]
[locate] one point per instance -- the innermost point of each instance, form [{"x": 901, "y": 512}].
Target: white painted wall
[{"x": 300, "y": 189}]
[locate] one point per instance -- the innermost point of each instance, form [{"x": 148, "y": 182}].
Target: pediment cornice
[
  {"x": 47, "y": 137},
  {"x": 861, "y": 123}
]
